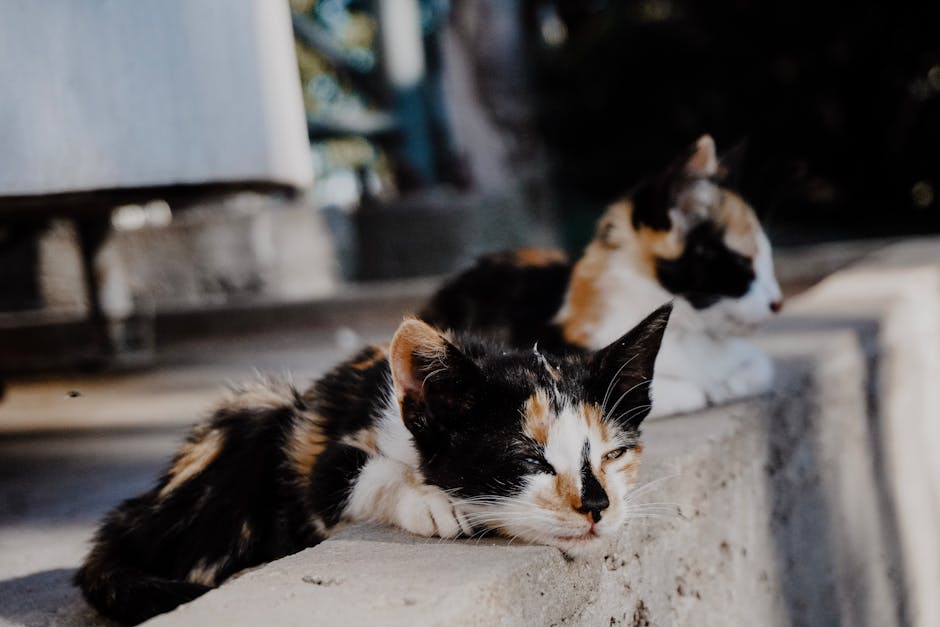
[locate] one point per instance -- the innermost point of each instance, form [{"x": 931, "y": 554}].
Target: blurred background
[
  {"x": 431, "y": 131},
  {"x": 193, "y": 191}
]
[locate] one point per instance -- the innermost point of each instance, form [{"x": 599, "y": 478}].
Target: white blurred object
[
  {"x": 347, "y": 340},
  {"x": 113, "y": 94},
  {"x": 402, "y": 44}
]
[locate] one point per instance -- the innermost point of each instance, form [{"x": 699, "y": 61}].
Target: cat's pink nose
[{"x": 776, "y": 306}]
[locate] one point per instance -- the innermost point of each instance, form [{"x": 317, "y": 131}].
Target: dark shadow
[
  {"x": 46, "y": 598},
  {"x": 798, "y": 512},
  {"x": 890, "y": 517},
  {"x": 824, "y": 578}
]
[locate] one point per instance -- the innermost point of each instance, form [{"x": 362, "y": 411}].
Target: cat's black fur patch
[
  {"x": 651, "y": 202},
  {"x": 335, "y": 470},
  {"x": 149, "y": 544},
  {"x": 476, "y": 449},
  {"x": 512, "y": 302},
  {"x": 707, "y": 270},
  {"x": 593, "y": 498}
]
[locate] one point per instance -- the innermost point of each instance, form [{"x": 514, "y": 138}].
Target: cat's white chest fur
[{"x": 695, "y": 370}]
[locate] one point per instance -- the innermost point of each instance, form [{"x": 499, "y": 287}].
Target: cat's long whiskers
[
  {"x": 649, "y": 486},
  {"x": 512, "y": 517},
  {"x": 632, "y": 504},
  {"x": 624, "y": 395},
  {"x": 649, "y": 517},
  {"x": 632, "y": 411},
  {"x": 613, "y": 379},
  {"x": 672, "y": 510}
]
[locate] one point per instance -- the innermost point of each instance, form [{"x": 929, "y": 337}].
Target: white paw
[
  {"x": 676, "y": 396},
  {"x": 753, "y": 374},
  {"x": 428, "y": 511}
]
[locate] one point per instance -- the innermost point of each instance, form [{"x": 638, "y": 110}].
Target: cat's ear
[
  {"x": 654, "y": 198},
  {"x": 702, "y": 161},
  {"x": 621, "y": 373},
  {"x": 433, "y": 379}
]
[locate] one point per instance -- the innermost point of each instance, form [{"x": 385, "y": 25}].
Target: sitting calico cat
[
  {"x": 439, "y": 435},
  {"x": 681, "y": 235}
]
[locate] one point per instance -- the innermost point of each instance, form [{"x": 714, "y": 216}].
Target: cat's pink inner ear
[
  {"x": 704, "y": 160},
  {"x": 416, "y": 350}
]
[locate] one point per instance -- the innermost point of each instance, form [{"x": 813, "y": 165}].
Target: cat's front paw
[
  {"x": 428, "y": 511},
  {"x": 753, "y": 374}
]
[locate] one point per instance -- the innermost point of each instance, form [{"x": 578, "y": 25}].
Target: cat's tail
[
  {"x": 112, "y": 579},
  {"x": 126, "y": 594}
]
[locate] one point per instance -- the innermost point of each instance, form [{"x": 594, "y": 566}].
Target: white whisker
[
  {"x": 613, "y": 379},
  {"x": 624, "y": 395}
]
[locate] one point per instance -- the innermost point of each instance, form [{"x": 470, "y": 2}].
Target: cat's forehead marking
[
  {"x": 578, "y": 437},
  {"x": 572, "y": 425},
  {"x": 557, "y": 422},
  {"x": 594, "y": 419},
  {"x": 739, "y": 223},
  {"x": 538, "y": 416}
]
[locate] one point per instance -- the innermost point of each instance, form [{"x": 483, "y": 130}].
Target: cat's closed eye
[
  {"x": 614, "y": 454},
  {"x": 539, "y": 464}
]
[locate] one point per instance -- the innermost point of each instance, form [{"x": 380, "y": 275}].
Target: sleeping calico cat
[
  {"x": 681, "y": 235},
  {"x": 438, "y": 435}
]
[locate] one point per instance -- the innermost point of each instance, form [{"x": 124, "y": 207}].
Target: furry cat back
[{"x": 438, "y": 434}]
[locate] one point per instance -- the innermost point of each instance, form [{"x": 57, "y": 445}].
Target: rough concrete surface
[{"x": 814, "y": 505}]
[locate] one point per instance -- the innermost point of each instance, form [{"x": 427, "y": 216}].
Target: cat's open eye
[
  {"x": 539, "y": 464},
  {"x": 614, "y": 454}
]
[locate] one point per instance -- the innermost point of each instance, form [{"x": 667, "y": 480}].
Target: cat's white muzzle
[{"x": 743, "y": 316}]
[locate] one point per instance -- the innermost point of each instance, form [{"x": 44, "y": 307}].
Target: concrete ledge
[{"x": 817, "y": 504}]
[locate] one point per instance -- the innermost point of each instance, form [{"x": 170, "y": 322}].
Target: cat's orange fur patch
[
  {"x": 583, "y": 303},
  {"x": 538, "y": 417},
  {"x": 244, "y": 536},
  {"x": 203, "y": 573},
  {"x": 262, "y": 394},
  {"x": 194, "y": 457},
  {"x": 564, "y": 494},
  {"x": 568, "y": 489},
  {"x": 365, "y": 440},
  {"x": 538, "y": 257},
  {"x": 739, "y": 222},
  {"x": 594, "y": 418},
  {"x": 305, "y": 444},
  {"x": 376, "y": 354}
]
